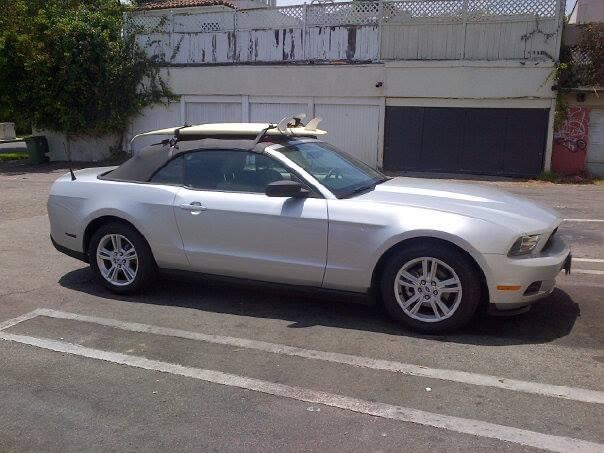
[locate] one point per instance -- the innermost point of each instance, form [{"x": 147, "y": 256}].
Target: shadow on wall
[{"x": 548, "y": 320}]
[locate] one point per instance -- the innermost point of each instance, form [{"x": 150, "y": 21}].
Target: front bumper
[{"x": 510, "y": 278}]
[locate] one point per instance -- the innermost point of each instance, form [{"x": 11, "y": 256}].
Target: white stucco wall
[
  {"x": 586, "y": 11},
  {"x": 89, "y": 149},
  {"x": 209, "y": 90},
  {"x": 410, "y": 79}
]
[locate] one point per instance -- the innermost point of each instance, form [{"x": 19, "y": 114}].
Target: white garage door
[
  {"x": 352, "y": 123},
  {"x": 213, "y": 112},
  {"x": 272, "y": 112},
  {"x": 352, "y": 128},
  {"x": 153, "y": 118},
  {"x": 595, "y": 150}
]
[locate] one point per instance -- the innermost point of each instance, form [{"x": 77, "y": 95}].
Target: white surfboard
[{"x": 250, "y": 129}]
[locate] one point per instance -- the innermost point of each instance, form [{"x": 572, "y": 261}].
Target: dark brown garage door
[{"x": 506, "y": 142}]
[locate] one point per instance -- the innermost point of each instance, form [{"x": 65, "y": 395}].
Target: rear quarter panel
[{"x": 73, "y": 205}]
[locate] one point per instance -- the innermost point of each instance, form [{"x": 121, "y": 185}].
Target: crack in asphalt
[{"x": 14, "y": 293}]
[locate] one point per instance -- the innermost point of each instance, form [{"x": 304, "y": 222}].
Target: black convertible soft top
[{"x": 140, "y": 168}]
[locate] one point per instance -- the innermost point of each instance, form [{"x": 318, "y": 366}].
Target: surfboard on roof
[{"x": 244, "y": 129}]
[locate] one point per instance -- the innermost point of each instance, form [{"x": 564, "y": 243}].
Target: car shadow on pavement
[{"x": 548, "y": 320}]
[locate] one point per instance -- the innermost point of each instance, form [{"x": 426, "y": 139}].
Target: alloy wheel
[
  {"x": 117, "y": 259},
  {"x": 427, "y": 289}
]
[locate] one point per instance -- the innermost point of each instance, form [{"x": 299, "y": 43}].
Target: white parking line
[
  {"x": 570, "y": 393},
  {"x": 588, "y": 260},
  {"x": 27, "y": 316},
  {"x": 388, "y": 411},
  {"x": 587, "y": 271},
  {"x": 584, "y": 220}
]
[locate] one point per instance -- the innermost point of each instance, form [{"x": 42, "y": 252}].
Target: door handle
[{"x": 195, "y": 207}]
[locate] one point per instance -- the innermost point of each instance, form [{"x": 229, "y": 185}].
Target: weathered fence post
[
  {"x": 380, "y": 18},
  {"x": 235, "y": 53},
  {"x": 172, "y": 38},
  {"x": 465, "y": 28},
  {"x": 304, "y": 32}
]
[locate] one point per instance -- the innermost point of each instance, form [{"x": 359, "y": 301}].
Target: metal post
[{"x": 304, "y": 32}]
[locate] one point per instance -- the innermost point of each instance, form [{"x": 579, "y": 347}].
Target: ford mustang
[{"x": 275, "y": 203}]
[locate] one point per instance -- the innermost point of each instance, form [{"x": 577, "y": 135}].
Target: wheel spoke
[
  {"x": 402, "y": 282},
  {"x": 112, "y": 274},
  {"x": 445, "y": 283},
  {"x": 130, "y": 254},
  {"x": 116, "y": 241},
  {"x": 424, "y": 268},
  {"x": 407, "y": 276},
  {"x": 104, "y": 254},
  {"x": 442, "y": 306},
  {"x": 433, "y": 270},
  {"x": 128, "y": 273},
  {"x": 454, "y": 289},
  {"x": 435, "y": 309},
  {"x": 416, "y": 307},
  {"x": 412, "y": 300}
]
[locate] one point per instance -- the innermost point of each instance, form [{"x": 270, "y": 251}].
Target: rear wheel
[
  {"x": 431, "y": 288},
  {"x": 121, "y": 258}
]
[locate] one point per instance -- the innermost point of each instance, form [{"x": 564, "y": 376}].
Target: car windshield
[{"x": 342, "y": 174}]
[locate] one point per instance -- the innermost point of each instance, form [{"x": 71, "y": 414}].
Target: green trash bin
[{"x": 37, "y": 147}]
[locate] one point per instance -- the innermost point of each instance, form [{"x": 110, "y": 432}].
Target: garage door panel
[
  {"x": 442, "y": 138},
  {"x": 352, "y": 128},
  {"x": 274, "y": 112},
  {"x": 595, "y": 150},
  {"x": 213, "y": 112},
  {"x": 525, "y": 141},
  {"x": 403, "y": 122},
  {"x": 465, "y": 140},
  {"x": 484, "y": 135}
]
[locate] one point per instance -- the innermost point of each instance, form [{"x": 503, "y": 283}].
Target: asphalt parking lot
[{"x": 197, "y": 364}]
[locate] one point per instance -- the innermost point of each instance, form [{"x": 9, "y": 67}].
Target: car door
[{"x": 229, "y": 226}]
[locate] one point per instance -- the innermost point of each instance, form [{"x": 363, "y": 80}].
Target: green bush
[{"x": 67, "y": 66}]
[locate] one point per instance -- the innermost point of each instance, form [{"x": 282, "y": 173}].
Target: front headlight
[{"x": 524, "y": 245}]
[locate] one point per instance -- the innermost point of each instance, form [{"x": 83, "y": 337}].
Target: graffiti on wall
[{"x": 574, "y": 132}]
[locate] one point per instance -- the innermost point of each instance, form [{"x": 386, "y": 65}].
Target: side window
[
  {"x": 171, "y": 173},
  {"x": 232, "y": 171}
]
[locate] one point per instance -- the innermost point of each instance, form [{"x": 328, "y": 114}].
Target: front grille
[{"x": 549, "y": 241}]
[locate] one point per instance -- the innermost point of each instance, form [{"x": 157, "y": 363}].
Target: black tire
[
  {"x": 146, "y": 267},
  {"x": 468, "y": 275}
]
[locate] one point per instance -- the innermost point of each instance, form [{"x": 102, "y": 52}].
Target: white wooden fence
[{"x": 357, "y": 31}]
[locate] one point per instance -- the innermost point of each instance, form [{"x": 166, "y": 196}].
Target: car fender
[
  {"x": 458, "y": 241},
  {"x": 110, "y": 212}
]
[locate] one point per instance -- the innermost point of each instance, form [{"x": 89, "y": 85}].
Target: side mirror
[{"x": 287, "y": 189}]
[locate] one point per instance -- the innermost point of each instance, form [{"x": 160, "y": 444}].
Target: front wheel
[
  {"x": 121, "y": 258},
  {"x": 431, "y": 288}
]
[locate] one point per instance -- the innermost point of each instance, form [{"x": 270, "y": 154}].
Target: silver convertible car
[{"x": 274, "y": 203}]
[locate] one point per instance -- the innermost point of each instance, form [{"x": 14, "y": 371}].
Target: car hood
[{"x": 481, "y": 202}]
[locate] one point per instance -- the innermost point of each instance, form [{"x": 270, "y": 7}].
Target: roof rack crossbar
[{"x": 261, "y": 135}]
